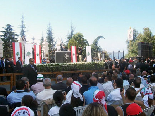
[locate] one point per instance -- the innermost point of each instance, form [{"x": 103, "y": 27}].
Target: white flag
[
  {"x": 37, "y": 53},
  {"x": 17, "y": 51},
  {"x": 130, "y": 34},
  {"x": 28, "y": 52},
  {"x": 88, "y": 53},
  {"x": 73, "y": 54}
]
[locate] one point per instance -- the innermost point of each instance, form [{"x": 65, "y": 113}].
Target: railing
[{"x": 13, "y": 76}]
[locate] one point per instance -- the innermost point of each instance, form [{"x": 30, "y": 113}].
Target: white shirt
[
  {"x": 107, "y": 88},
  {"x": 22, "y": 111},
  {"x": 54, "y": 110},
  {"x": 45, "y": 94},
  {"x": 114, "y": 95}
]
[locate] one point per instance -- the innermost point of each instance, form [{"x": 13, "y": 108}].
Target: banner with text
[{"x": 88, "y": 53}]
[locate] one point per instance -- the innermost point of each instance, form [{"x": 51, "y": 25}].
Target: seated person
[
  {"x": 38, "y": 87},
  {"x": 67, "y": 110},
  {"x": 59, "y": 85},
  {"x": 17, "y": 95},
  {"x": 28, "y": 108},
  {"x": 115, "y": 94},
  {"x": 3, "y": 95},
  {"x": 129, "y": 108},
  {"x": 74, "y": 97},
  {"x": 58, "y": 98}
]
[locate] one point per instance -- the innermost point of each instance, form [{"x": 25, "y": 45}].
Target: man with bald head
[
  {"x": 59, "y": 85},
  {"x": 68, "y": 83},
  {"x": 88, "y": 95}
]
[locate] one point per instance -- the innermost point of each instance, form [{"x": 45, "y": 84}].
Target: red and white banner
[
  {"x": 17, "y": 51},
  {"x": 73, "y": 54},
  {"x": 37, "y": 54}
]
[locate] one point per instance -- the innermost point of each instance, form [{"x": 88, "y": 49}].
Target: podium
[{"x": 62, "y": 56}]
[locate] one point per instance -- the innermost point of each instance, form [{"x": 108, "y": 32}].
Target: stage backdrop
[
  {"x": 17, "y": 51},
  {"x": 28, "y": 52},
  {"x": 62, "y": 56}
]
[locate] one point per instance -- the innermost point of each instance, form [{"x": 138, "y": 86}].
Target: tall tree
[
  {"x": 8, "y": 37},
  {"x": 50, "y": 40},
  {"x": 78, "y": 40},
  {"x": 146, "y": 36},
  {"x": 22, "y": 32},
  {"x": 95, "y": 48}
]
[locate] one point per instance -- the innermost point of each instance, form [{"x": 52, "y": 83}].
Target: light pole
[{"x": 118, "y": 54}]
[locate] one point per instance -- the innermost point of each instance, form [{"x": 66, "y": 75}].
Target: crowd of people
[{"x": 126, "y": 89}]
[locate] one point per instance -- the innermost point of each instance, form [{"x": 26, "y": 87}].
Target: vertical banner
[
  {"x": 88, "y": 53},
  {"x": 37, "y": 54},
  {"x": 73, "y": 54},
  {"x": 130, "y": 34},
  {"x": 17, "y": 51},
  {"x": 28, "y": 52}
]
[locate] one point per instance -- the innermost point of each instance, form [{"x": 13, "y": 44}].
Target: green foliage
[
  {"x": 146, "y": 37},
  {"x": 50, "y": 40},
  {"x": 78, "y": 41},
  {"x": 95, "y": 48},
  {"x": 55, "y": 67},
  {"x": 8, "y": 37}
]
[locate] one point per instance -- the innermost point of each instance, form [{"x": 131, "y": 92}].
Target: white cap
[{"x": 40, "y": 77}]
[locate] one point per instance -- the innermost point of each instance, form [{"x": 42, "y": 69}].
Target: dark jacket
[
  {"x": 31, "y": 74},
  {"x": 18, "y": 66},
  {"x": 59, "y": 86}
]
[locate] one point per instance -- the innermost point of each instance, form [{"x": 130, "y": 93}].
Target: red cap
[
  {"x": 127, "y": 72},
  {"x": 130, "y": 61},
  {"x": 133, "y": 109}
]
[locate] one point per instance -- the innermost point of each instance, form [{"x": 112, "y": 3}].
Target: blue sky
[{"x": 109, "y": 18}]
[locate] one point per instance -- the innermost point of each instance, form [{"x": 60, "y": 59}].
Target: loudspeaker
[
  {"x": 145, "y": 50},
  {"x": 62, "y": 56}
]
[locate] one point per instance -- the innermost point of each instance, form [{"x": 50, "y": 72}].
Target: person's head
[
  {"x": 20, "y": 84},
  {"x": 131, "y": 76},
  {"x": 28, "y": 101},
  {"x": 69, "y": 81},
  {"x": 59, "y": 78},
  {"x": 2, "y": 58},
  {"x": 87, "y": 75},
  {"x": 144, "y": 73},
  {"x": 40, "y": 78},
  {"x": 26, "y": 81},
  {"x": 31, "y": 61},
  {"x": 137, "y": 83},
  {"x": 107, "y": 78},
  {"x": 152, "y": 78},
  {"x": 94, "y": 109},
  {"x": 80, "y": 74},
  {"x": 84, "y": 80},
  {"x": 95, "y": 75},
  {"x": 67, "y": 110},
  {"x": 134, "y": 110},
  {"x": 124, "y": 76},
  {"x": 99, "y": 97},
  {"x": 19, "y": 58},
  {"x": 75, "y": 77},
  {"x": 93, "y": 81},
  {"x": 130, "y": 94},
  {"x": 47, "y": 83},
  {"x": 58, "y": 98},
  {"x": 119, "y": 83},
  {"x": 114, "y": 76}
]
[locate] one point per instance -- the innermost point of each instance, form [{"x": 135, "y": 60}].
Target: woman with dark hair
[
  {"x": 58, "y": 98},
  {"x": 67, "y": 110},
  {"x": 28, "y": 108}
]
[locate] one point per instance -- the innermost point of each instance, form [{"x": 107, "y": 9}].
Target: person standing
[
  {"x": 30, "y": 72},
  {"x": 19, "y": 65}
]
